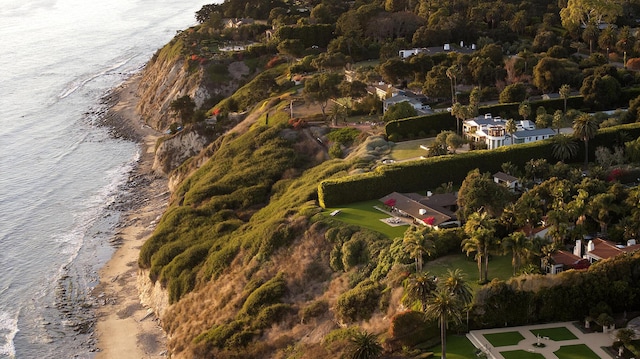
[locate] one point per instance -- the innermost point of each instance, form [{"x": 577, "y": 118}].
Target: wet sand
[{"x": 125, "y": 328}]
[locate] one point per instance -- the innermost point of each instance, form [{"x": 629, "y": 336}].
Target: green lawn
[
  {"x": 499, "y": 267},
  {"x": 458, "y": 347},
  {"x": 579, "y": 351},
  {"x": 363, "y": 214},
  {"x": 557, "y": 334},
  {"x": 410, "y": 149},
  {"x": 521, "y": 354},
  {"x": 504, "y": 339}
]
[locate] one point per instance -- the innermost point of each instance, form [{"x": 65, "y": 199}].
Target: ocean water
[{"x": 60, "y": 173}]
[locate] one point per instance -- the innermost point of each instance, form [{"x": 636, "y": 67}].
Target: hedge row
[
  {"x": 430, "y": 173},
  {"x": 430, "y": 125}
]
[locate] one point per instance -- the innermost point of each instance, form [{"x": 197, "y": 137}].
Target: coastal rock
[
  {"x": 152, "y": 295},
  {"x": 165, "y": 79},
  {"x": 174, "y": 150}
]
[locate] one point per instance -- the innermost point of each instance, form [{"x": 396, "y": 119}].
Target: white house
[
  {"x": 492, "y": 131},
  {"x": 506, "y": 180},
  {"x": 414, "y": 101}
]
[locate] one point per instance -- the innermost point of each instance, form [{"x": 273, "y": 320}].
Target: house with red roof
[
  {"x": 434, "y": 210},
  {"x": 563, "y": 260},
  {"x": 599, "y": 249}
]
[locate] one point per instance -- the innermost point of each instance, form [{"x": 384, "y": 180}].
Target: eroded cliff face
[
  {"x": 152, "y": 295},
  {"x": 176, "y": 149},
  {"x": 163, "y": 81},
  {"x": 166, "y": 78}
]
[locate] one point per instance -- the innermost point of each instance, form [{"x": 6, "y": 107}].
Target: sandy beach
[{"x": 124, "y": 328}]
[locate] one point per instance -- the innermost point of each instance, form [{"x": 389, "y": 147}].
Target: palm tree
[
  {"x": 585, "y": 127},
  {"x": 565, "y": 92},
  {"x": 452, "y": 73},
  {"x": 519, "y": 246},
  {"x": 364, "y": 345},
  {"x": 558, "y": 121},
  {"x": 480, "y": 228},
  {"x": 564, "y": 147},
  {"x": 419, "y": 287},
  {"x": 524, "y": 110},
  {"x": 456, "y": 284},
  {"x": 446, "y": 307},
  {"x": 471, "y": 245},
  {"x": 417, "y": 244},
  {"x": 457, "y": 111},
  {"x": 511, "y": 128}
]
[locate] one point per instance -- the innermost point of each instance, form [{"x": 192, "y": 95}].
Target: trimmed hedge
[
  {"x": 414, "y": 176},
  {"x": 433, "y": 124}
]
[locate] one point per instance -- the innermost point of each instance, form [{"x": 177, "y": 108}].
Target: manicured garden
[
  {"x": 499, "y": 267},
  {"x": 410, "y": 149},
  {"x": 504, "y": 339},
  {"x": 521, "y": 354},
  {"x": 579, "y": 351},
  {"x": 458, "y": 347},
  {"x": 365, "y": 215},
  {"x": 556, "y": 334}
]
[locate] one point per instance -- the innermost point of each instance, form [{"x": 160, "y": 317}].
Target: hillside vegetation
[{"x": 254, "y": 267}]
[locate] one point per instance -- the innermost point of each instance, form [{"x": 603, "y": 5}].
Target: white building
[
  {"x": 414, "y": 101},
  {"x": 492, "y": 131}
]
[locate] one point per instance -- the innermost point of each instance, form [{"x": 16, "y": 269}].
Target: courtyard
[{"x": 550, "y": 341}]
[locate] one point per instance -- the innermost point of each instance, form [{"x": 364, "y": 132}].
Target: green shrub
[
  {"x": 344, "y": 135},
  {"x": 412, "y": 328},
  {"x": 314, "y": 309},
  {"x": 354, "y": 252},
  {"x": 335, "y": 259},
  {"x": 360, "y": 302},
  {"x": 218, "y": 335},
  {"x": 270, "y": 315},
  {"x": 267, "y": 294},
  {"x": 335, "y": 151}
]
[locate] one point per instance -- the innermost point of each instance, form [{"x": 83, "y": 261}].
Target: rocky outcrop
[
  {"x": 163, "y": 81},
  {"x": 174, "y": 150},
  {"x": 166, "y": 78},
  {"x": 152, "y": 295}
]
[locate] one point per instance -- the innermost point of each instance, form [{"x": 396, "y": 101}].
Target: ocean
[{"x": 61, "y": 173}]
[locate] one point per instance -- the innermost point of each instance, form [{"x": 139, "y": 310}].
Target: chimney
[{"x": 577, "y": 250}]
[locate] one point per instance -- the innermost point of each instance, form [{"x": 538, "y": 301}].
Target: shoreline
[{"x": 124, "y": 327}]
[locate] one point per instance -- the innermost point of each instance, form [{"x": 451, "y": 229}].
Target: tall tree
[
  {"x": 565, "y": 92},
  {"x": 417, "y": 243},
  {"x": 564, "y": 147},
  {"x": 511, "y": 128},
  {"x": 519, "y": 245},
  {"x": 479, "y": 191},
  {"x": 321, "y": 88},
  {"x": 585, "y": 12},
  {"x": 445, "y": 307},
  {"x": 419, "y": 287},
  {"x": 558, "y": 121},
  {"x": 585, "y": 128},
  {"x": 524, "y": 110},
  {"x": 480, "y": 228}
]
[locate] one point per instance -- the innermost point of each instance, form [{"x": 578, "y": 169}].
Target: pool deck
[{"x": 595, "y": 341}]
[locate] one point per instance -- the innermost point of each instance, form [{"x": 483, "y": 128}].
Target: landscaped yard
[
  {"x": 557, "y": 334},
  {"x": 499, "y": 267},
  {"x": 504, "y": 339},
  {"x": 521, "y": 354},
  {"x": 410, "y": 149},
  {"x": 458, "y": 347},
  {"x": 579, "y": 351},
  {"x": 363, "y": 214}
]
